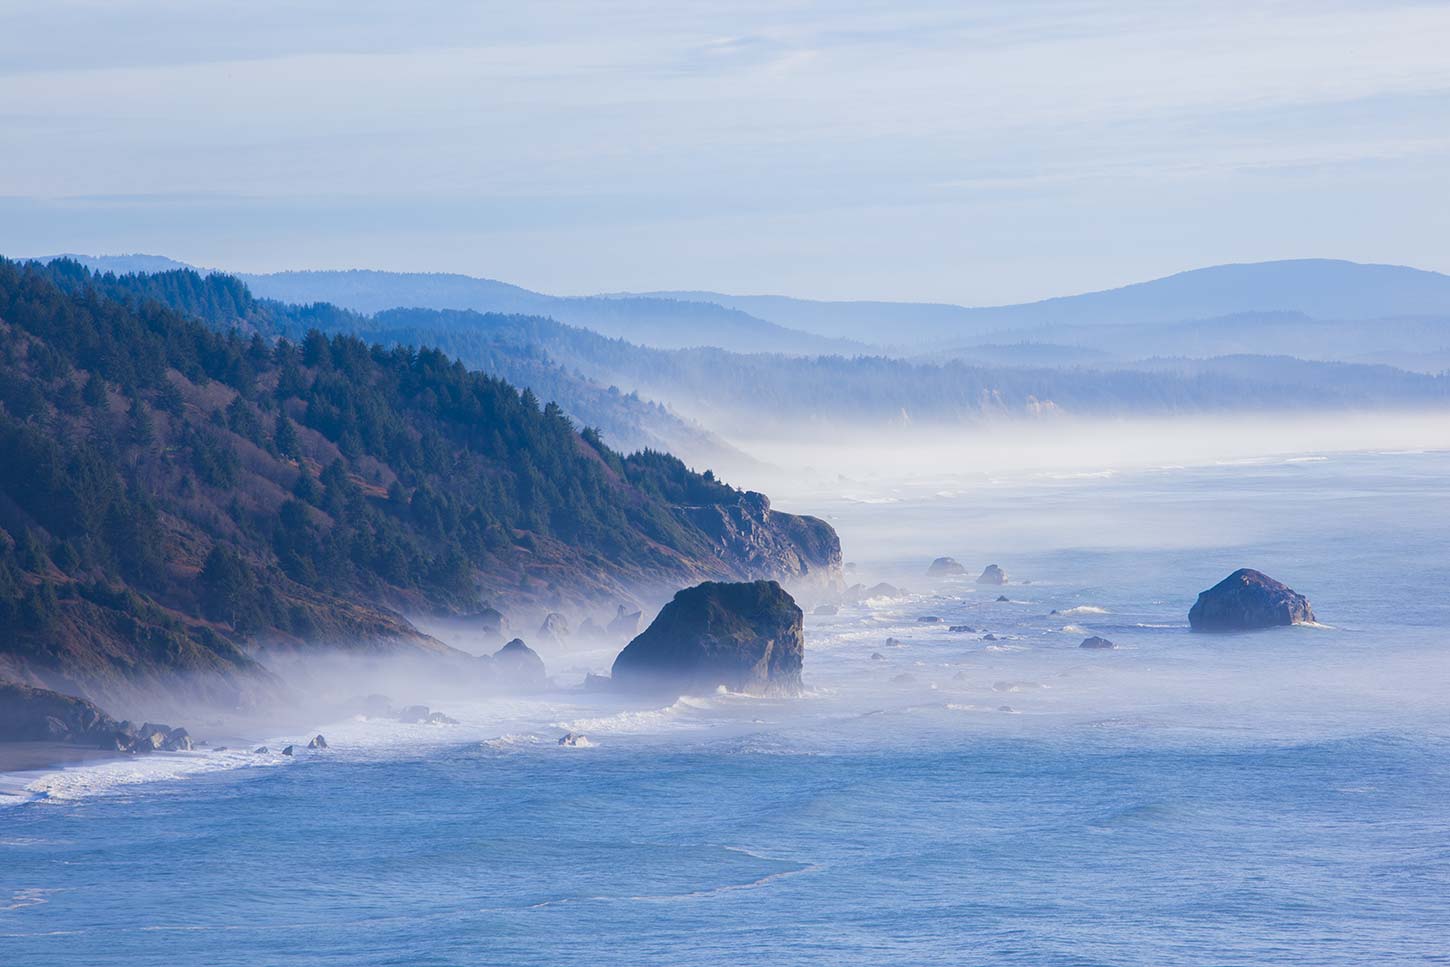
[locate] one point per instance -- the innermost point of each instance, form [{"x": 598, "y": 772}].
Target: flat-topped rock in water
[
  {"x": 747, "y": 637},
  {"x": 992, "y": 574},
  {"x": 1246, "y": 600},
  {"x": 945, "y": 566},
  {"x": 518, "y": 664},
  {"x": 1096, "y": 642}
]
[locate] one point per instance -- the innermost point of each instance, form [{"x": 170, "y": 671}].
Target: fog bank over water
[{"x": 879, "y": 464}]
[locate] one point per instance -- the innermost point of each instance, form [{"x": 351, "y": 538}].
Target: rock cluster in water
[
  {"x": 747, "y": 637},
  {"x": 1248, "y": 599}
]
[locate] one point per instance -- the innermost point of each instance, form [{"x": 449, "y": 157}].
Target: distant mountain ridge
[{"x": 1319, "y": 288}]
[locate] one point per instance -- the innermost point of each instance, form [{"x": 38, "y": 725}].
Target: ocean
[{"x": 1280, "y": 797}]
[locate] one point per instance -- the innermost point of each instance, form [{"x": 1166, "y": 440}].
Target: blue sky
[{"x": 973, "y": 153}]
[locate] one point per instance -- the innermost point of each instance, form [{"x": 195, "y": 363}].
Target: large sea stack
[
  {"x": 746, "y": 637},
  {"x": 1248, "y": 599}
]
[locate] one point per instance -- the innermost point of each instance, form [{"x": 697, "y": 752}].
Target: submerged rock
[
  {"x": 318, "y": 742},
  {"x": 520, "y": 666},
  {"x": 747, "y": 637},
  {"x": 1096, "y": 642},
  {"x": 1248, "y": 599},
  {"x": 944, "y": 566},
  {"x": 895, "y": 643},
  {"x": 992, "y": 574}
]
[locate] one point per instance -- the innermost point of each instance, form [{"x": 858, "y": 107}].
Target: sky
[{"x": 977, "y": 153}]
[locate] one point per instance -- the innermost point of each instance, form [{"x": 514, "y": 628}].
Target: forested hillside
[{"x": 172, "y": 494}]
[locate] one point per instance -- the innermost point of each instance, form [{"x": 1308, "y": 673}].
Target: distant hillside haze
[
  {"x": 661, "y": 322},
  {"x": 1319, "y": 288}
]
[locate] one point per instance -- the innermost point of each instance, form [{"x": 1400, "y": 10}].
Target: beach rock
[
  {"x": 992, "y": 574},
  {"x": 1248, "y": 599},
  {"x": 288, "y": 750},
  {"x": 177, "y": 740},
  {"x": 624, "y": 623},
  {"x": 826, "y": 610},
  {"x": 318, "y": 742},
  {"x": 962, "y": 629},
  {"x": 747, "y": 637},
  {"x": 929, "y": 619},
  {"x": 520, "y": 666},
  {"x": 944, "y": 566},
  {"x": 573, "y": 739},
  {"x": 29, "y": 714},
  {"x": 1096, "y": 642},
  {"x": 555, "y": 626}
]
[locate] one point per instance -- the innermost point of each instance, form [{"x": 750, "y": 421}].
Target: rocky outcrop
[
  {"x": 318, "y": 742},
  {"x": 746, "y": 637},
  {"x": 624, "y": 623},
  {"x": 1248, "y": 599},
  {"x": 759, "y": 542},
  {"x": 520, "y": 666},
  {"x": 992, "y": 574},
  {"x": 29, "y": 714},
  {"x": 1096, "y": 642},
  {"x": 944, "y": 567},
  {"x": 555, "y": 627}
]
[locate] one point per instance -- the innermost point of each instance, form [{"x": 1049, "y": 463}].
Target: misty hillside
[
  {"x": 1319, "y": 288},
  {"x": 172, "y": 496},
  {"x": 666, "y": 323}
]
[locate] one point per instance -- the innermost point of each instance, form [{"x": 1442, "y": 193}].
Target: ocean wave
[
  {"x": 1084, "y": 609},
  {"x": 117, "y": 775}
]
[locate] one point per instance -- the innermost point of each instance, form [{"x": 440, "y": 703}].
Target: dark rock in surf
[
  {"x": 945, "y": 566},
  {"x": 318, "y": 742},
  {"x": 261, "y": 750},
  {"x": 746, "y": 637},
  {"x": 929, "y": 619},
  {"x": 572, "y": 739},
  {"x": 288, "y": 750},
  {"x": 989, "y": 637},
  {"x": 520, "y": 666},
  {"x": 877, "y": 656},
  {"x": 1003, "y": 597},
  {"x": 962, "y": 629},
  {"x": 1246, "y": 600},
  {"x": 895, "y": 643},
  {"x": 1096, "y": 642},
  {"x": 992, "y": 574},
  {"x": 177, "y": 740}
]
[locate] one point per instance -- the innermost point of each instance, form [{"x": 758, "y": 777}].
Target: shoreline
[{"x": 23, "y": 762}]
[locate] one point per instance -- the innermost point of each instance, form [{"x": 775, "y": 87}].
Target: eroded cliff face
[{"x": 757, "y": 543}]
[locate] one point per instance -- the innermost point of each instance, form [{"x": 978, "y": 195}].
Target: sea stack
[
  {"x": 747, "y": 637},
  {"x": 992, "y": 574},
  {"x": 944, "y": 566},
  {"x": 1246, "y": 600},
  {"x": 519, "y": 665}
]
